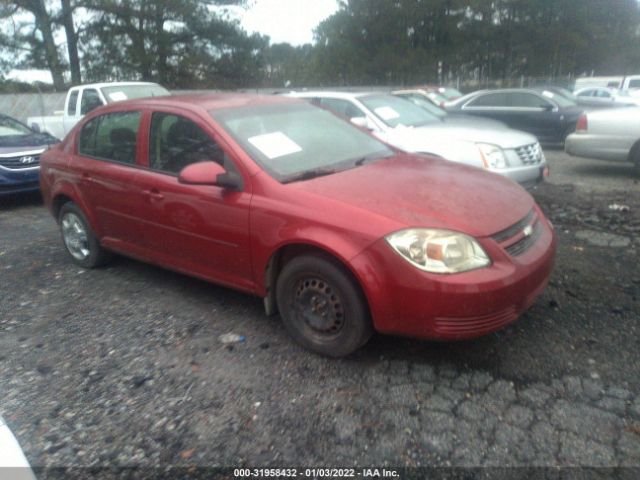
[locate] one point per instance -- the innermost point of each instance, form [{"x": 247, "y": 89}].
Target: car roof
[
  {"x": 114, "y": 84},
  {"x": 329, "y": 94},
  {"x": 206, "y": 101}
]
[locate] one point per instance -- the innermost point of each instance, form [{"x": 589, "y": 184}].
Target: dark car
[
  {"x": 20, "y": 149},
  {"x": 543, "y": 113}
]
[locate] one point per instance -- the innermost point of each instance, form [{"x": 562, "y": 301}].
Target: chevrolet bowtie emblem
[{"x": 528, "y": 230}]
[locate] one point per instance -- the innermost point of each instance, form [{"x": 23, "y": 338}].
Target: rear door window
[
  {"x": 112, "y": 136},
  {"x": 489, "y": 100},
  {"x": 526, "y": 100}
]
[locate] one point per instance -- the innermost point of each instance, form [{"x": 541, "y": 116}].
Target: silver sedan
[{"x": 612, "y": 134}]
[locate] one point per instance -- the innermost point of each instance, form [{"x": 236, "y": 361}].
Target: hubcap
[
  {"x": 75, "y": 236},
  {"x": 319, "y": 306}
]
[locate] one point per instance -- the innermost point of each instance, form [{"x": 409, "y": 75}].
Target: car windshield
[
  {"x": 559, "y": 99},
  {"x": 419, "y": 100},
  {"x": 299, "y": 141},
  {"x": 395, "y": 111},
  {"x": 126, "y": 92},
  {"x": 12, "y": 128}
]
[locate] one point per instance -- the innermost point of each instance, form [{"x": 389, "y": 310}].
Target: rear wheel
[
  {"x": 322, "y": 307},
  {"x": 79, "y": 239}
]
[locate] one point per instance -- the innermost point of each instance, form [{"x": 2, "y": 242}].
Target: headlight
[
  {"x": 492, "y": 156},
  {"x": 438, "y": 251}
]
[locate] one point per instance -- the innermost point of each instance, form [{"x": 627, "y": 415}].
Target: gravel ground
[{"x": 121, "y": 366}]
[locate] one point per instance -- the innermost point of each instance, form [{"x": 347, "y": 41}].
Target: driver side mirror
[
  {"x": 35, "y": 127},
  {"x": 362, "y": 122},
  {"x": 210, "y": 173}
]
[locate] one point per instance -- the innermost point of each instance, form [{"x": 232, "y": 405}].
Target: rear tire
[
  {"x": 322, "y": 307},
  {"x": 79, "y": 239}
]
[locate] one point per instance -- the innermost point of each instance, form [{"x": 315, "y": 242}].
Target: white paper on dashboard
[
  {"x": 386, "y": 113},
  {"x": 275, "y": 144},
  {"x": 117, "y": 96}
]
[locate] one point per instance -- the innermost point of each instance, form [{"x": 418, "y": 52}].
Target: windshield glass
[
  {"x": 126, "y": 92},
  {"x": 419, "y": 100},
  {"x": 395, "y": 111},
  {"x": 559, "y": 99},
  {"x": 11, "y": 128},
  {"x": 295, "y": 141}
]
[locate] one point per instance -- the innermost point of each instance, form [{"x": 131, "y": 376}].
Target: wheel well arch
[
  {"x": 634, "y": 152},
  {"x": 58, "y": 202},
  {"x": 286, "y": 253}
]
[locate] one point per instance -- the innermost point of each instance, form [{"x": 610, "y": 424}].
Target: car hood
[
  {"x": 505, "y": 138},
  {"x": 421, "y": 191},
  {"x": 25, "y": 143}
]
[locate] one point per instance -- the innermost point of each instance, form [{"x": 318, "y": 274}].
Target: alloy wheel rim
[{"x": 75, "y": 236}]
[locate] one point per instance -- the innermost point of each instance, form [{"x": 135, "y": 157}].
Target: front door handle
[{"x": 153, "y": 194}]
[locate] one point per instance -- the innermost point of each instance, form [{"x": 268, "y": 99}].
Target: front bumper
[
  {"x": 18, "y": 181},
  {"x": 406, "y": 301}
]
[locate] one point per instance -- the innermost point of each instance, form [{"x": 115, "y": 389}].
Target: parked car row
[
  {"x": 337, "y": 229},
  {"x": 401, "y": 123}
]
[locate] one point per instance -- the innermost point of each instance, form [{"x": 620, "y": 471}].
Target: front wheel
[
  {"x": 79, "y": 239},
  {"x": 322, "y": 307}
]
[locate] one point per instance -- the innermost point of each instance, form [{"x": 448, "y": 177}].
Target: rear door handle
[{"x": 153, "y": 194}]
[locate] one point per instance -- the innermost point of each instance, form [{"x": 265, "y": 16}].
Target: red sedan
[{"x": 337, "y": 231}]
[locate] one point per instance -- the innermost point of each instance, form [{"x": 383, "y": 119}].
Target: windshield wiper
[{"x": 309, "y": 174}]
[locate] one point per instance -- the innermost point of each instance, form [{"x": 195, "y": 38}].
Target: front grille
[
  {"x": 458, "y": 326},
  {"x": 514, "y": 229},
  {"x": 20, "y": 162},
  {"x": 530, "y": 154},
  {"x": 525, "y": 242},
  {"x": 517, "y": 239}
]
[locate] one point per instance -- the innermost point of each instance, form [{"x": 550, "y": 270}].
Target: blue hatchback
[{"x": 20, "y": 149}]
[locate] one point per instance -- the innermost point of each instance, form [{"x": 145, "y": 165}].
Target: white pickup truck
[
  {"x": 627, "y": 83},
  {"x": 84, "y": 98}
]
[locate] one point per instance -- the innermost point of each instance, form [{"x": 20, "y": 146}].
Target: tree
[
  {"x": 41, "y": 50},
  {"x": 174, "y": 43}
]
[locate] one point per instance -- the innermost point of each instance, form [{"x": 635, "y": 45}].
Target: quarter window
[
  {"x": 111, "y": 137},
  {"x": 176, "y": 142}
]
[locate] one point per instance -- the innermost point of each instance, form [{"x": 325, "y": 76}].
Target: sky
[{"x": 290, "y": 21}]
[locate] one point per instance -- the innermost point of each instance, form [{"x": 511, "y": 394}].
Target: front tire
[
  {"x": 79, "y": 239},
  {"x": 322, "y": 307}
]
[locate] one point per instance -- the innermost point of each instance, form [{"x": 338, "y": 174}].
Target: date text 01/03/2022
[{"x": 315, "y": 472}]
